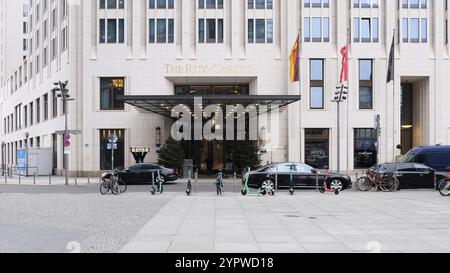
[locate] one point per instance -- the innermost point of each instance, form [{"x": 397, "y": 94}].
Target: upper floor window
[
  {"x": 414, "y": 4},
  {"x": 260, "y": 4},
  {"x": 112, "y": 31},
  {"x": 316, "y": 3},
  {"x": 365, "y": 3},
  {"x": 210, "y": 4},
  {"x": 161, "y": 4},
  {"x": 316, "y": 29},
  {"x": 112, "y": 4},
  {"x": 210, "y": 30},
  {"x": 260, "y": 31},
  {"x": 365, "y": 30},
  {"x": 414, "y": 30},
  {"x": 365, "y": 84},
  {"x": 161, "y": 30},
  {"x": 316, "y": 89}
]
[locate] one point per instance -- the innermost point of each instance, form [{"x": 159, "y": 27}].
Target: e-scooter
[
  {"x": 246, "y": 189},
  {"x": 158, "y": 188},
  {"x": 325, "y": 188},
  {"x": 189, "y": 183},
  {"x": 291, "y": 178},
  {"x": 219, "y": 182}
]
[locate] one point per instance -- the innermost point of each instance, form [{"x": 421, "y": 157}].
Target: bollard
[
  {"x": 6, "y": 179},
  {"x": 276, "y": 181},
  {"x": 20, "y": 178},
  {"x": 50, "y": 178},
  {"x": 89, "y": 180},
  {"x": 76, "y": 182},
  {"x": 34, "y": 178},
  {"x": 235, "y": 178}
]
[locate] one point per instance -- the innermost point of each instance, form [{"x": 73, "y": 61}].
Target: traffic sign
[
  {"x": 113, "y": 138},
  {"x": 67, "y": 141},
  {"x": 111, "y": 146}
]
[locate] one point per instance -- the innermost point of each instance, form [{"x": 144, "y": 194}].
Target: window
[
  {"x": 45, "y": 107},
  {"x": 112, "y": 31},
  {"x": 110, "y": 88},
  {"x": 365, "y": 30},
  {"x": 164, "y": 32},
  {"x": 365, "y": 84},
  {"x": 316, "y": 3},
  {"x": 54, "y": 104},
  {"x": 365, "y": 148},
  {"x": 210, "y": 30},
  {"x": 414, "y": 4},
  {"x": 119, "y": 153},
  {"x": 112, "y": 4},
  {"x": 210, "y": 4},
  {"x": 316, "y": 29},
  {"x": 317, "y": 148},
  {"x": 161, "y": 4},
  {"x": 38, "y": 111},
  {"x": 25, "y": 115},
  {"x": 316, "y": 94},
  {"x": 31, "y": 114}
]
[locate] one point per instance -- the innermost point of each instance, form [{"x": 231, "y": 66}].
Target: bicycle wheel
[
  {"x": 122, "y": 186},
  {"x": 388, "y": 184},
  {"x": 444, "y": 187},
  {"x": 364, "y": 183},
  {"x": 104, "y": 188},
  {"x": 115, "y": 189}
]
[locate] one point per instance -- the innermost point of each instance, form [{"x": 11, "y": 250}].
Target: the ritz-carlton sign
[{"x": 209, "y": 69}]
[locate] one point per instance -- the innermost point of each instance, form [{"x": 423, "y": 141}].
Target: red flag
[{"x": 344, "y": 70}]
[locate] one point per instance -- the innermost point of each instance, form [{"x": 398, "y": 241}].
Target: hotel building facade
[{"x": 111, "y": 48}]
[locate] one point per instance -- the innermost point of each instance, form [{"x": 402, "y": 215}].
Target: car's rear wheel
[{"x": 268, "y": 186}]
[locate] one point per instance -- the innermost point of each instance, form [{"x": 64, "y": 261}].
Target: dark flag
[{"x": 391, "y": 72}]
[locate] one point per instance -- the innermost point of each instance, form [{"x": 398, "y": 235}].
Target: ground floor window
[
  {"x": 105, "y": 153},
  {"x": 366, "y": 154},
  {"x": 317, "y": 148}
]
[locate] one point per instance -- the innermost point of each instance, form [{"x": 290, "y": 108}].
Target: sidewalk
[
  {"x": 47, "y": 180},
  {"x": 305, "y": 222}
]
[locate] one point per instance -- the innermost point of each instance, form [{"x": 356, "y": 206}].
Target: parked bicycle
[
  {"x": 444, "y": 187},
  {"x": 111, "y": 182},
  {"x": 219, "y": 182},
  {"x": 378, "y": 180}
]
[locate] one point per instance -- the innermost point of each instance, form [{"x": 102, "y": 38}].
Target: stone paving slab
[{"x": 308, "y": 222}]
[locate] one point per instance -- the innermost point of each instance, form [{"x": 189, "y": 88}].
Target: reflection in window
[
  {"x": 365, "y": 148},
  {"x": 110, "y": 88},
  {"x": 317, "y": 143}
]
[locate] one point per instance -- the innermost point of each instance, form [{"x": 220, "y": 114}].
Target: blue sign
[{"x": 21, "y": 161}]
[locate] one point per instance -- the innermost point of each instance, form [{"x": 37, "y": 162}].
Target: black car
[
  {"x": 142, "y": 173},
  {"x": 304, "y": 176},
  {"x": 411, "y": 175}
]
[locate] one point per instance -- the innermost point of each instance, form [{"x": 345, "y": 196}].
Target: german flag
[{"x": 294, "y": 71}]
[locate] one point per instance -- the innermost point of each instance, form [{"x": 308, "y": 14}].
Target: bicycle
[
  {"x": 112, "y": 182},
  {"x": 444, "y": 187},
  {"x": 159, "y": 181},
  {"x": 219, "y": 182},
  {"x": 382, "y": 181}
]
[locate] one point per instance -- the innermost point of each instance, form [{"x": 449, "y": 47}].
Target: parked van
[{"x": 436, "y": 157}]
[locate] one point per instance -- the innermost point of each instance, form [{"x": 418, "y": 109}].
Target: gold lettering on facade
[{"x": 209, "y": 69}]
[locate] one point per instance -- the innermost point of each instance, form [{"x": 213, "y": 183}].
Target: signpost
[
  {"x": 112, "y": 145},
  {"x": 377, "y": 127}
]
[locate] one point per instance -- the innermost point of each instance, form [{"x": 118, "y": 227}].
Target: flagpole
[
  {"x": 300, "y": 92},
  {"x": 348, "y": 96},
  {"x": 393, "y": 103}
]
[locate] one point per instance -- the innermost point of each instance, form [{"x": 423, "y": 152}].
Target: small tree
[
  {"x": 171, "y": 154},
  {"x": 247, "y": 155}
]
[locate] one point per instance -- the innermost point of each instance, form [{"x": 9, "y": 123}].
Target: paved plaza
[
  {"x": 309, "y": 222},
  {"x": 77, "y": 218}
]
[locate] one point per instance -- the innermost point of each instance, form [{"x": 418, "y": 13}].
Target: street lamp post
[
  {"x": 339, "y": 97},
  {"x": 61, "y": 87}
]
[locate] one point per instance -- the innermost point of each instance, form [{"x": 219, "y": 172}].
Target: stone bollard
[
  {"x": 50, "y": 178},
  {"x": 235, "y": 179},
  {"x": 34, "y": 178}
]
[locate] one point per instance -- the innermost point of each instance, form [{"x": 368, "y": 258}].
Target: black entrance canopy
[{"x": 164, "y": 104}]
